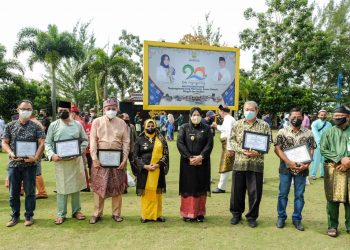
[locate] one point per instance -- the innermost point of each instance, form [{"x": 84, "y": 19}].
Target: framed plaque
[
  {"x": 67, "y": 148},
  {"x": 298, "y": 154},
  {"x": 256, "y": 141},
  {"x": 110, "y": 158},
  {"x": 24, "y": 149}
]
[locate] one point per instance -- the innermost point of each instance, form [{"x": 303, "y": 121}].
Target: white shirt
[
  {"x": 226, "y": 126},
  {"x": 223, "y": 74}
]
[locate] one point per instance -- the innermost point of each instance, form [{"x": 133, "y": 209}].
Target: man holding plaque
[
  {"x": 109, "y": 137},
  {"x": 248, "y": 167},
  {"x": 23, "y": 140},
  {"x": 291, "y": 139},
  {"x": 65, "y": 142},
  {"x": 335, "y": 147},
  {"x": 226, "y": 162}
]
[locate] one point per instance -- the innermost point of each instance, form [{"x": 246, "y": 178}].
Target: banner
[{"x": 179, "y": 77}]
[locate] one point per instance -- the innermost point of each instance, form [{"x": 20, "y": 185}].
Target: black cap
[
  {"x": 342, "y": 109},
  {"x": 64, "y": 104},
  {"x": 224, "y": 108}
]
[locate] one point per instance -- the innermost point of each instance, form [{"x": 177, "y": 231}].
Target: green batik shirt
[
  {"x": 243, "y": 162},
  {"x": 335, "y": 143}
]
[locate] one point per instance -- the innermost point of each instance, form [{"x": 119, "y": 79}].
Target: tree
[
  {"x": 49, "y": 48},
  {"x": 207, "y": 35},
  {"x": 7, "y": 66}
]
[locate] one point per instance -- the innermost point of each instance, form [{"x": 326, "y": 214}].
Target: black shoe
[
  {"x": 235, "y": 220},
  {"x": 125, "y": 191},
  {"x": 280, "y": 223},
  {"x": 85, "y": 190},
  {"x": 348, "y": 231},
  {"x": 200, "y": 218},
  {"x": 252, "y": 223},
  {"x": 161, "y": 219},
  {"x": 185, "y": 219},
  {"x": 144, "y": 220},
  {"x": 218, "y": 191},
  {"x": 298, "y": 225}
]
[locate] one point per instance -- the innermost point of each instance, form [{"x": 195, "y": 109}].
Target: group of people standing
[{"x": 149, "y": 159}]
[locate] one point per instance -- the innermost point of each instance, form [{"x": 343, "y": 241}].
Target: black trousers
[{"x": 243, "y": 181}]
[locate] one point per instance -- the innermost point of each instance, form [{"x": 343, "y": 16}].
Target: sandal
[
  {"x": 95, "y": 219},
  {"x": 117, "y": 218},
  {"x": 59, "y": 220},
  {"x": 79, "y": 216},
  {"x": 332, "y": 232}
]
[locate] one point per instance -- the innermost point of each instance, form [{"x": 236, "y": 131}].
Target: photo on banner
[{"x": 178, "y": 77}]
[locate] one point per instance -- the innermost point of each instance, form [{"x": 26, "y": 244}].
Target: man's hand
[
  {"x": 154, "y": 166},
  {"x": 196, "y": 160},
  {"x": 251, "y": 153},
  {"x": 342, "y": 168},
  {"x": 292, "y": 165},
  {"x": 56, "y": 158},
  {"x": 96, "y": 163},
  {"x": 303, "y": 167},
  {"x": 214, "y": 125},
  {"x": 30, "y": 159},
  {"x": 122, "y": 165},
  {"x": 345, "y": 161},
  {"x": 148, "y": 167}
]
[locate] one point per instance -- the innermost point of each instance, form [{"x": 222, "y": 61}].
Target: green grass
[{"x": 215, "y": 233}]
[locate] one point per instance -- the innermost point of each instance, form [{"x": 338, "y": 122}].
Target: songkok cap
[
  {"x": 110, "y": 102},
  {"x": 210, "y": 113},
  {"x": 322, "y": 110},
  {"x": 342, "y": 109},
  {"x": 224, "y": 108},
  {"x": 64, "y": 104},
  {"x": 74, "y": 108}
]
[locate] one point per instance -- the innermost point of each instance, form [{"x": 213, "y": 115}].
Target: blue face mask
[{"x": 249, "y": 115}]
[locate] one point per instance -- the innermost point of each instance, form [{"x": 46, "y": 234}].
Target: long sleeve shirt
[
  {"x": 335, "y": 143},
  {"x": 318, "y": 127},
  {"x": 226, "y": 127},
  {"x": 109, "y": 134}
]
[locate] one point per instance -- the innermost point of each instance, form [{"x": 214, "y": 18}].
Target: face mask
[
  {"x": 296, "y": 122},
  {"x": 196, "y": 119},
  {"x": 92, "y": 114},
  {"x": 25, "y": 114},
  {"x": 63, "y": 115},
  {"x": 87, "y": 119},
  {"x": 111, "y": 114},
  {"x": 249, "y": 115},
  {"x": 211, "y": 119},
  {"x": 339, "y": 121},
  {"x": 150, "y": 130}
]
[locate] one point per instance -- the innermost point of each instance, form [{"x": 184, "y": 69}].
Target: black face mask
[
  {"x": 63, "y": 115},
  {"x": 339, "y": 121},
  {"x": 87, "y": 119},
  {"x": 296, "y": 122},
  {"x": 150, "y": 130}
]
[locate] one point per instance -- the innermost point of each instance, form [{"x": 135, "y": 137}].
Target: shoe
[
  {"x": 29, "y": 222},
  {"x": 144, "y": 220},
  {"x": 12, "y": 222},
  {"x": 125, "y": 191},
  {"x": 348, "y": 231},
  {"x": 95, "y": 219},
  {"x": 79, "y": 216},
  {"x": 307, "y": 182},
  {"x": 39, "y": 197},
  {"x": 200, "y": 218},
  {"x": 59, "y": 220},
  {"x": 117, "y": 218},
  {"x": 252, "y": 223},
  {"x": 298, "y": 225},
  {"x": 313, "y": 178},
  {"x": 185, "y": 219},
  {"x": 161, "y": 219},
  {"x": 85, "y": 190},
  {"x": 332, "y": 232},
  {"x": 218, "y": 191},
  {"x": 280, "y": 223},
  {"x": 235, "y": 220}
]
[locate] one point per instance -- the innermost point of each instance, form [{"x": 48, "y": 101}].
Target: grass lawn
[{"x": 215, "y": 233}]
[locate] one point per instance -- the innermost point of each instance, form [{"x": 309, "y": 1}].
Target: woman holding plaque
[
  {"x": 195, "y": 143},
  {"x": 152, "y": 160}
]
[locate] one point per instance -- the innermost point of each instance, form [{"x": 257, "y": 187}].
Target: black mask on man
[
  {"x": 339, "y": 121},
  {"x": 150, "y": 130},
  {"x": 63, "y": 115},
  {"x": 296, "y": 122}
]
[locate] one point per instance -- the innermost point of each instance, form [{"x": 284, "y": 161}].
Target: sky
[{"x": 151, "y": 20}]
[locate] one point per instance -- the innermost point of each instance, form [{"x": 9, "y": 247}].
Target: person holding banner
[
  {"x": 65, "y": 141},
  {"x": 195, "y": 143},
  {"x": 335, "y": 147},
  {"x": 23, "y": 160},
  {"x": 165, "y": 72},
  {"x": 109, "y": 134},
  {"x": 287, "y": 138},
  {"x": 152, "y": 161}
]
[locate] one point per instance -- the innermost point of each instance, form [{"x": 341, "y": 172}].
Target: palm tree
[
  {"x": 7, "y": 67},
  {"x": 114, "y": 68},
  {"x": 48, "y": 48}
]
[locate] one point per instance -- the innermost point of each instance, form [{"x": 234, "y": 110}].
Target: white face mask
[
  {"x": 196, "y": 119},
  {"x": 111, "y": 114},
  {"x": 24, "y": 114}
]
